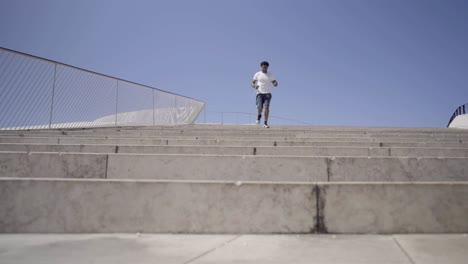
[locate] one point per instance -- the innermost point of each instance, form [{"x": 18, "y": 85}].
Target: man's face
[{"x": 264, "y": 68}]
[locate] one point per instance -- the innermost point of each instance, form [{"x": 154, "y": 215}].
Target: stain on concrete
[{"x": 320, "y": 226}]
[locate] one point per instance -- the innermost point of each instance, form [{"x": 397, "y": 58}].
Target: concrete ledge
[
  {"x": 398, "y": 169},
  {"x": 231, "y": 142},
  {"x": 27, "y": 140},
  {"x": 52, "y": 165},
  {"x": 333, "y": 151},
  {"x": 428, "y": 152},
  {"x": 285, "y": 168},
  {"x": 37, "y": 147},
  {"x": 96, "y": 206},
  {"x": 231, "y": 167},
  {"x": 252, "y": 127},
  {"x": 393, "y": 207},
  {"x": 212, "y": 167},
  {"x": 228, "y": 130}
]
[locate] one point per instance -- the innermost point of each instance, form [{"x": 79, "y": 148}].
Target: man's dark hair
[{"x": 264, "y": 63}]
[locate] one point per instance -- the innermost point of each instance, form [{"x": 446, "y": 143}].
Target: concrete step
[
  {"x": 129, "y": 206},
  {"x": 96, "y": 206},
  {"x": 219, "y": 129},
  {"x": 242, "y": 150},
  {"x": 255, "y": 132},
  {"x": 386, "y": 208},
  {"x": 234, "y": 179},
  {"x": 231, "y": 167},
  {"x": 267, "y": 136},
  {"x": 243, "y": 134},
  {"x": 235, "y": 141},
  {"x": 240, "y": 135}
]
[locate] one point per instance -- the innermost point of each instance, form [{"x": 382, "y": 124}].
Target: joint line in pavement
[
  {"x": 404, "y": 251},
  {"x": 211, "y": 250}
]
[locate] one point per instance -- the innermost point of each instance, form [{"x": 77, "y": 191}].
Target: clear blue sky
[{"x": 398, "y": 63}]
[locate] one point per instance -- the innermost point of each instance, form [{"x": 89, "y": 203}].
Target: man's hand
[
  {"x": 275, "y": 83},
  {"x": 254, "y": 84}
]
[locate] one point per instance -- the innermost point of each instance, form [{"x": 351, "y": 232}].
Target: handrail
[
  {"x": 92, "y": 72},
  {"x": 37, "y": 93},
  {"x": 461, "y": 110}
]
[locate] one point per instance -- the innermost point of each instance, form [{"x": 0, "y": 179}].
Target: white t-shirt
[{"x": 264, "y": 82}]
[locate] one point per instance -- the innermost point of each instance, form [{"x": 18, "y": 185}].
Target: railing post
[
  {"x": 53, "y": 95},
  {"x": 116, "y": 103}
]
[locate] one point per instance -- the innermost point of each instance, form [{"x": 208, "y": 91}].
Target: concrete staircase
[{"x": 234, "y": 179}]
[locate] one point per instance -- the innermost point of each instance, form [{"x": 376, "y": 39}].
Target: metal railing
[
  {"x": 461, "y": 110},
  {"x": 36, "y": 93},
  {"x": 214, "y": 117}
]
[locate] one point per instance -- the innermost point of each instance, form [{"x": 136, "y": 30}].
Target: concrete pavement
[{"x": 204, "y": 249}]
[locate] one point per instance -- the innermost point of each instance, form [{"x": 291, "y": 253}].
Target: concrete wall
[
  {"x": 329, "y": 151},
  {"x": 394, "y": 207},
  {"x": 99, "y": 206},
  {"x": 52, "y": 165},
  {"x": 398, "y": 169},
  {"x": 231, "y": 167},
  {"x": 233, "y": 142},
  {"x": 215, "y": 167}
]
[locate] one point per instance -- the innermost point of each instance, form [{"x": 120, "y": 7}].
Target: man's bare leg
[
  {"x": 267, "y": 113},
  {"x": 259, "y": 116}
]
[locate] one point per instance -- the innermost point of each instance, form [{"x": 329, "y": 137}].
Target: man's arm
[
  {"x": 275, "y": 83},
  {"x": 254, "y": 84}
]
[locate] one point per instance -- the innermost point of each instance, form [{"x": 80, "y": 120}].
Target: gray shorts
[{"x": 263, "y": 100}]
